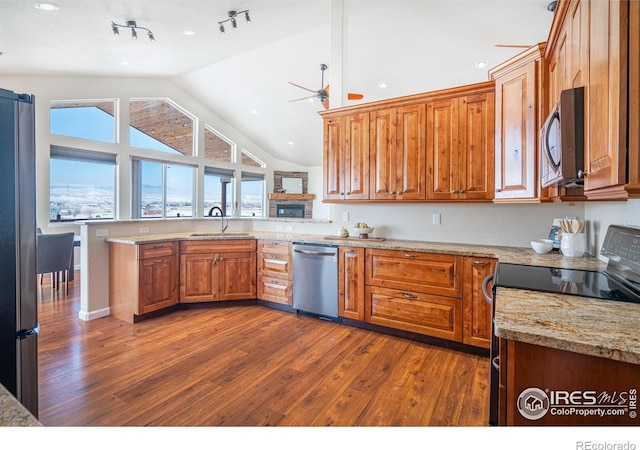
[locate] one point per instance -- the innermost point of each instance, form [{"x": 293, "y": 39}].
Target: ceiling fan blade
[
  {"x": 325, "y": 103},
  {"x": 301, "y": 87},
  {"x": 351, "y": 96},
  {"x": 303, "y": 98},
  {"x": 512, "y": 46}
]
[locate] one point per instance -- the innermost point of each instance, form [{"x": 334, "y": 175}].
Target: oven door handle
[{"x": 485, "y": 290}]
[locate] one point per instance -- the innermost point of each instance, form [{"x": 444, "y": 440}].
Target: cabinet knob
[
  {"x": 409, "y": 296},
  {"x": 582, "y": 174},
  {"x": 515, "y": 153},
  {"x": 462, "y": 191},
  {"x": 498, "y": 190}
]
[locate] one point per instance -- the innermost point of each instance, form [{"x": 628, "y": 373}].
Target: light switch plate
[{"x": 436, "y": 219}]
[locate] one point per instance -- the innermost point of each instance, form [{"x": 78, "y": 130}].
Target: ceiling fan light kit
[
  {"x": 232, "y": 18},
  {"x": 131, "y": 24},
  {"x": 322, "y": 94}
]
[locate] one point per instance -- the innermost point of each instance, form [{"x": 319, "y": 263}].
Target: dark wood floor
[{"x": 245, "y": 366}]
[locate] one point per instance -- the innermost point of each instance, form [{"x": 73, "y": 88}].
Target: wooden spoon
[{"x": 575, "y": 226}]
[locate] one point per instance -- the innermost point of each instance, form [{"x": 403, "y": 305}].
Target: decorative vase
[{"x": 573, "y": 245}]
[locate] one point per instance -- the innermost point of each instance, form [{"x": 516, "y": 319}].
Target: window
[
  {"x": 87, "y": 119},
  {"x": 81, "y": 184},
  {"x": 248, "y": 159},
  {"x": 218, "y": 190},
  {"x": 216, "y": 147},
  {"x": 252, "y": 188},
  {"x": 159, "y": 124},
  {"x": 161, "y": 189}
]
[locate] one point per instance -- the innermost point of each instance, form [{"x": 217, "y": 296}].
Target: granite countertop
[
  {"x": 583, "y": 325},
  {"x": 13, "y": 413}
]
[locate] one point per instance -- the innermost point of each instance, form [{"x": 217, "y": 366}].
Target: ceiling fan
[{"x": 323, "y": 94}]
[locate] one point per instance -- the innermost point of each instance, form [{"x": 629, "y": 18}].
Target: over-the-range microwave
[{"x": 562, "y": 141}]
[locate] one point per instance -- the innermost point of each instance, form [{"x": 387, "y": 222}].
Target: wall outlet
[
  {"x": 279, "y": 228},
  {"x": 345, "y": 216},
  {"x": 102, "y": 232},
  {"x": 144, "y": 230},
  {"x": 289, "y": 228},
  {"x": 436, "y": 219}
]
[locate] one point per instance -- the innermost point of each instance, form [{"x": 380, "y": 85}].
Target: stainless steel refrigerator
[{"x": 18, "y": 278}]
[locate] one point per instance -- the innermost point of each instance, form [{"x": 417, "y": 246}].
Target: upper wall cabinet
[
  {"x": 433, "y": 146},
  {"x": 520, "y": 104},
  {"x": 460, "y": 146},
  {"x": 398, "y": 153},
  {"x": 595, "y": 45},
  {"x": 346, "y": 157}
]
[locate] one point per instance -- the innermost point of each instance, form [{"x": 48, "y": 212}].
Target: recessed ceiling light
[
  {"x": 481, "y": 64},
  {"x": 290, "y": 142},
  {"x": 188, "y": 33},
  {"x": 47, "y": 6},
  {"x": 383, "y": 84},
  {"x": 124, "y": 63},
  {"x": 254, "y": 111}
]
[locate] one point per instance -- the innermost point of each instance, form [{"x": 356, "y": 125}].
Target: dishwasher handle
[{"x": 311, "y": 252}]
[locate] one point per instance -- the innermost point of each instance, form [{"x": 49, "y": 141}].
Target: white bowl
[
  {"x": 542, "y": 245},
  {"x": 356, "y": 232}
]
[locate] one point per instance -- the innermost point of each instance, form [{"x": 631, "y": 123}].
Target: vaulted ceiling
[{"x": 243, "y": 74}]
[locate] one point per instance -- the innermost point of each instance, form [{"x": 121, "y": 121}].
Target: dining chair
[{"x": 54, "y": 255}]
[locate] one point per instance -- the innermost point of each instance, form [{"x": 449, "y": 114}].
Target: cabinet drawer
[
  {"x": 157, "y": 250},
  {"x": 416, "y": 312},
  {"x": 275, "y": 265},
  {"x": 269, "y": 246},
  {"x": 428, "y": 273},
  {"x": 274, "y": 290},
  {"x": 217, "y": 246}
]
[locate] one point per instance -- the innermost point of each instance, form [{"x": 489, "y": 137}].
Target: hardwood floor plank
[{"x": 245, "y": 366}]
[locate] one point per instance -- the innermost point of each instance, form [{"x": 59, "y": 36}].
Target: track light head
[
  {"x": 150, "y": 35},
  {"x": 221, "y": 27},
  {"x": 134, "y": 35},
  {"x": 115, "y": 30},
  {"x": 246, "y": 16}
]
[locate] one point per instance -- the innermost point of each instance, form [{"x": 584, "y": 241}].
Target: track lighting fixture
[
  {"x": 133, "y": 26},
  {"x": 232, "y": 18}
]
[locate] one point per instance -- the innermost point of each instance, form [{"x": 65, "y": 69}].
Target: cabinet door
[
  {"x": 158, "y": 284},
  {"x": 383, "y": 171},
  {"x": 476, "y": 178},
  {"x": 198, "y": 277},
  {"x": 351, "y": 283},
  {"x": 356, "y": 167},
  {"x": 516, "y": 134},
  {"x": 442, "y": 148},
  {"x": 411, "y": 153},
  {"x": 333, "y": 160},
  {"x": 237, "y": 276},
  {"x": 476, "y": 311}
]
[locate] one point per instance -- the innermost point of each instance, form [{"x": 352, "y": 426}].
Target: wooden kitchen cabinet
[
  {"x": 398, "y": 153},
  {"x": 414, "y": 291},
  {"x": 346, "y": 157},
  {"x": 217, "y": 270},
  {"x": 460, "y": 146},
  {"x": 351, "y": 261},
  {"x": 521, "y": 106},
  {"x": 596, "y": 45},
  {"x": 142, "y": 278},
  {"x": 476, "y": 311},
  {"x": 274, "y": 272},
  {"x": 524, "y": 366}
]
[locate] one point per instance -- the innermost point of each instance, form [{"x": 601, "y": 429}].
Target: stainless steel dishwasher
[{"x": 315, "y": 279}]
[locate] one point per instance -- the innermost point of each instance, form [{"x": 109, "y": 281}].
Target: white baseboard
[{"x": 91, "y": 315}]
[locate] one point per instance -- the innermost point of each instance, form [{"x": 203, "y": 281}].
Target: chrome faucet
[{"x": 224, "y": 222}]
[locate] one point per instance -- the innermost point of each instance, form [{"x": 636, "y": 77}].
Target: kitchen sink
[{"x": 214, "y": 234}]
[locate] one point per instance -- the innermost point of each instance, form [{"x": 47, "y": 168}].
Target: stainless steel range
[{"x": 620, "y": 282}]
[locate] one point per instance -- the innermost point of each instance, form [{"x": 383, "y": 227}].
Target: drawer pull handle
[
  {"x": 158, "y": 245},
  {"x": 409, "y": 296},
  {"x": 495, "y": 362},
  {"x": 157, "y": 261},
  {"x": 275, "y": 286},
  {"x": 409, "y": 255},
  {"x": 275, "y": 261}
]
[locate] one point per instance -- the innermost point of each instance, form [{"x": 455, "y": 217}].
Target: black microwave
[{"x": 562, "y": 141}]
